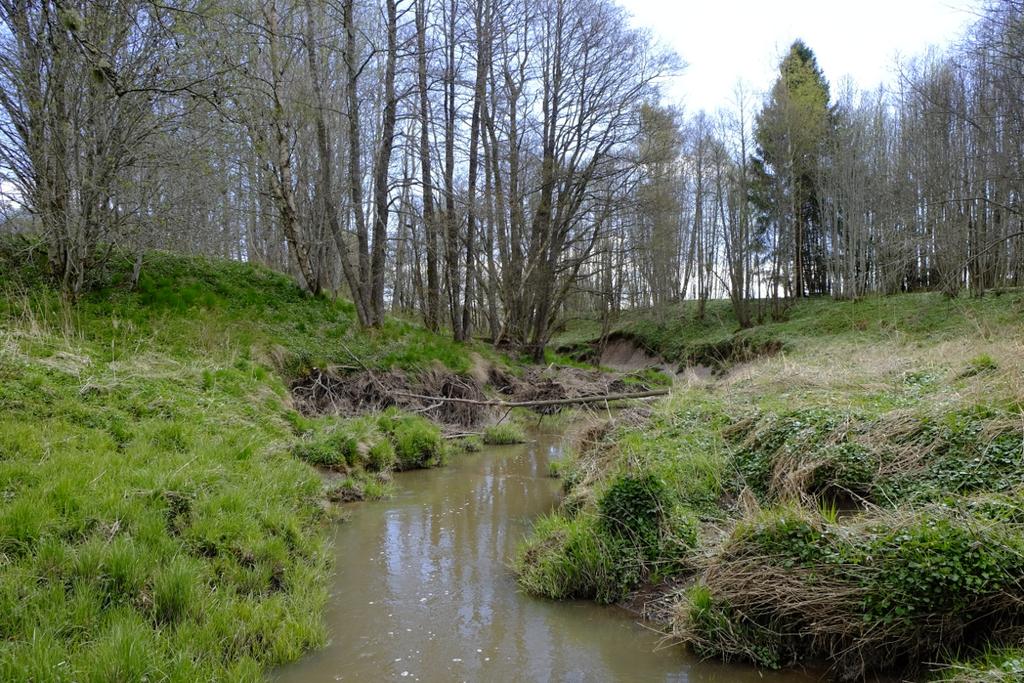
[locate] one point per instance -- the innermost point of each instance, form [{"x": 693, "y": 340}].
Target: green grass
[
  {"x": 678, "y": 335},
  {"x": 570, "y": 558},
  {"x": 504, "y": 433},
  {"x": 158, "y": 518},
  {"x": 417, "y": 441},
  {"x": 552, "y": 357},
  {"x": 630, "y": 514},
  {"x": 980, "y": 364},
  {"x": 869, "y": 471},
  {"x": 355, "y": 445},
  {"x": 647, "y": 378},
  {"x": 194, "y": 305},
  {"x": 1000, "y": 665}
]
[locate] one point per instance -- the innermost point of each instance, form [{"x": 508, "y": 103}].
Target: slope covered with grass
[
  {"x": 677, "y": 334},
  {"x": 857, "y": 496},
  {"x": 157, "y": 520}
]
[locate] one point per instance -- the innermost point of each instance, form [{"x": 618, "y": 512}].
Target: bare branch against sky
[{"x": 726, "y": 40}]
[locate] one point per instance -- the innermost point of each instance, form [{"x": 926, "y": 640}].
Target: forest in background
[{"x": 491, "y": 166}]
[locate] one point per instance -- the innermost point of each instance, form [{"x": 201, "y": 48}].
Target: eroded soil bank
[{"x": 458, "y": 400}]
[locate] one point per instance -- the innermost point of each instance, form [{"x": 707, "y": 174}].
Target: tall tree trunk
[
  {"x": 452, "y": 266},
  {"x": 432, "y": 312},
  {"x": 325, "y": 189},
  {"x": 355, "y": 166},
  {"x": 382, "y": 165},
  {"x": 282, "y": 180},
  {"x": 464, "y": 331}
]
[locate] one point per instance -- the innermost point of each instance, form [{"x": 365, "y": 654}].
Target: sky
[{"x": 726, "y": 40}]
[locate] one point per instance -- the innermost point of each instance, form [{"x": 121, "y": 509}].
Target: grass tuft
[
  {"x": 417, "y": 442},
  {"x": 504, "y": 433}
]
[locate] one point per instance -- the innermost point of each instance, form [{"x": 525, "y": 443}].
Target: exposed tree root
[
  {"x": 459, "y": 400},
  {"x": 544, "y": 403}
]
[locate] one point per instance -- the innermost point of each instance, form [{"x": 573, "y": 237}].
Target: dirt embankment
[
  {"x": 455, "y": 400},
  {"x": 705, "y": 360},
  {"x": 619, "y": 352},
  {"x": 622, "y": 353}
]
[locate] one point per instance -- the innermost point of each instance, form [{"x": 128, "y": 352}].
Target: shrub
[
  {"x": 640, "y": 529},
  {"x": 996, "y": 507},
  {"x": 966, "y": 459},
  {"x": 937, "y": 566},
  {"x": 677, "y": 538},
  {"x": 471, "y": 444},
  {"x": 787, "y": 535},
  {"x": 323, "y": 450},
  {"x": 380, "y": 457},
  {"x": 358, "y": 488}
]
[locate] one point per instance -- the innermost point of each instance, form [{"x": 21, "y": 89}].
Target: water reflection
[{"x": 422, "y": 591}]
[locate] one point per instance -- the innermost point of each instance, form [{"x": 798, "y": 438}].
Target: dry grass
[
  {"x": 836, "y": 374},
  {"x": 755, "y": 604}
]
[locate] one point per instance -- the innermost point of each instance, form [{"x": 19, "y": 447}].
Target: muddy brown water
[{"x": 422, "y": 591}]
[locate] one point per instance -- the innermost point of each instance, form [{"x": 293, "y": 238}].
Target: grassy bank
[
  {"x": 158, "y": 518},
  {"x": 678, "y": 335},
  {"x": 856, "y": 495}
]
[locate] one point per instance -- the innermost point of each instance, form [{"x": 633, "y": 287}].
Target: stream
[{"x": 422, "y": 590}]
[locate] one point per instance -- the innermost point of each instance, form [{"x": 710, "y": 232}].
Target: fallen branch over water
[
  {"x": 461, "y": 435},
  {"x": 536, "y": 404}
]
